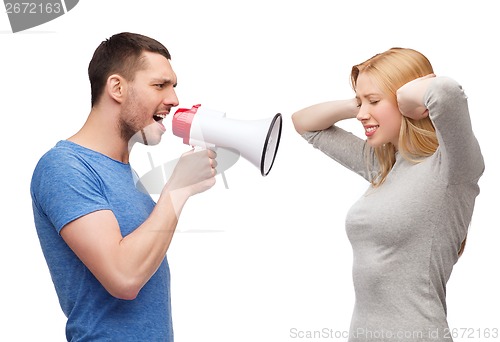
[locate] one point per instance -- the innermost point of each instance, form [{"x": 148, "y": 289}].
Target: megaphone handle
[
  {"x": 202, "y": 148},
  {"x": 213, "y": 148}
]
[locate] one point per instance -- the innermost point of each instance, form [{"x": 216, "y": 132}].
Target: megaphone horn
[{"x": 256, "y": 140}]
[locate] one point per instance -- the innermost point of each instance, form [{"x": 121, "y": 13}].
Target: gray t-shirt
[{"x": 406, "y": 233}]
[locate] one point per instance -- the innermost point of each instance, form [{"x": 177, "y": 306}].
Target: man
[{"x": 104, "y": 240}]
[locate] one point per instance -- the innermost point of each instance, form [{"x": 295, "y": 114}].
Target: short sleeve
[{"x": 64, "y": 187}]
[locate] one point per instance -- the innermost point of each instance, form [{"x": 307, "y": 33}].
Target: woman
[{"x": 423, "y": 162}]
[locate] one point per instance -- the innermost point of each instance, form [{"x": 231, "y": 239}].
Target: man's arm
[{"x": 124, "y": 264}]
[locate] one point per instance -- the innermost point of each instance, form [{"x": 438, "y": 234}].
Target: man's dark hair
[{"x": 120, "y": 54}]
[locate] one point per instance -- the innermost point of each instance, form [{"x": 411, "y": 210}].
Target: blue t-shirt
[{"x": 69, "y": 182}]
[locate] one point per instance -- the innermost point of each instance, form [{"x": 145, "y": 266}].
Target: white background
[{"x": 269, "y": 254}]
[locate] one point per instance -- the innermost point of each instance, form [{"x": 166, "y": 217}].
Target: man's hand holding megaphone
[
  {"x": 193, "y": 174},
  {"x": 255, "y": 140}
]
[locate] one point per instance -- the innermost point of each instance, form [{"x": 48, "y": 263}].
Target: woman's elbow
[{"x": 297, "y": 123}]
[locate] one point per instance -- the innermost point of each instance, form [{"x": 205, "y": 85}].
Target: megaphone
[{"x": 256, "y": 140}]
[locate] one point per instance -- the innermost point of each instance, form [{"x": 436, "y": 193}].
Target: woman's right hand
[{"x": 410, "y": 97}]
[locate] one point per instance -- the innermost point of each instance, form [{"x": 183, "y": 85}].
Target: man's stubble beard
[{"x": 128, "y": 123}]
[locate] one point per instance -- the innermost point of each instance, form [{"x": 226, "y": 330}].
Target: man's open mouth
[{"x": 159, "y": 117}]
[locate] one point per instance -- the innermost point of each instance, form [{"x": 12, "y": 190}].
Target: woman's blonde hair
[{"x": 390, "y": 70}]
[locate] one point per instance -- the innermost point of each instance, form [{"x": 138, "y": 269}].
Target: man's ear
[{"x": 115, "y": 87}]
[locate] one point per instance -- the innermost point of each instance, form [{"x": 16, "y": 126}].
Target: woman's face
[{"x": 378, "y": 113}]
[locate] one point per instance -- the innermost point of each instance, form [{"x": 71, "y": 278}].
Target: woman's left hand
[{"x": 410, "y": 97}]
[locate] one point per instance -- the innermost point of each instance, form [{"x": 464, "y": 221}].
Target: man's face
[{"x": 149, "y": 98}]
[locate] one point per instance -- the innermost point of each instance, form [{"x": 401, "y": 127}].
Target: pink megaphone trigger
[{"x": 181, "y": 122}]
